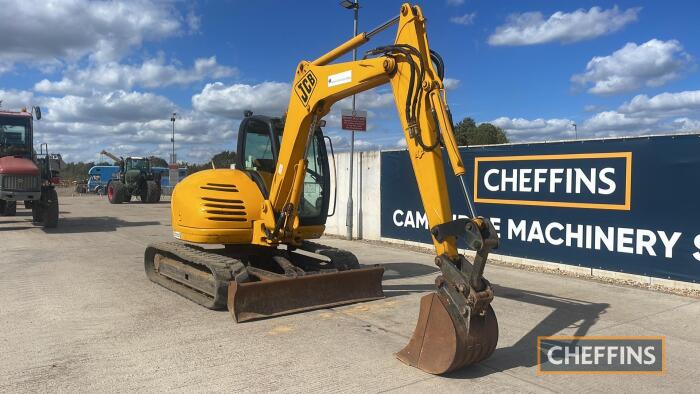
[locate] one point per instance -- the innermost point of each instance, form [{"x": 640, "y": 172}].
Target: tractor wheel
[
  {"x": 27, "y": 204},
  {"x": 152, "y": 192},
  {"x": 10, "y": 208},
  {"x": 50, "y": 212},
  {"x": 37, "y": 212},
  {"x": 144, "y": 192},
  {"x": 115, "y": 192},
  {"x": 127, "y": 196}
]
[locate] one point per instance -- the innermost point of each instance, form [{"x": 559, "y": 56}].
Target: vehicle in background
[
  {"x": 80, "y": 186},
  {"x": 165, "y": 175},
  {"x": 99, "y": 177},
  {"x": 135, "y": 177},
  {"x": 24, "y": 174}
]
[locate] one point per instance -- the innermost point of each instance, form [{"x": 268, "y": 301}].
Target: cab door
[
  {"x": 258, "y": 142},
  {"x": 258, "y": 147}
]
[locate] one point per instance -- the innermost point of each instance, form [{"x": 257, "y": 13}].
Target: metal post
[
  {"x": 349, "y": 217},
  {"x": 575, "y": 130},
  {"x": 172, "y": 139}
]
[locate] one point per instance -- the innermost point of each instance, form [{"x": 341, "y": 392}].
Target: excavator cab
[{"x": 259, "y": 139}]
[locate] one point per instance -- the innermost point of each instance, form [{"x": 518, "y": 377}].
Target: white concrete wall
[{"x": 366, "y": 195}]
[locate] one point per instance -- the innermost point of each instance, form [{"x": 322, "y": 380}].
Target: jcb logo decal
[{"x": 305, "y": 87}]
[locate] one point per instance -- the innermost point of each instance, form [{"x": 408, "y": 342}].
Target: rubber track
[{"x": 223, "y": 268}]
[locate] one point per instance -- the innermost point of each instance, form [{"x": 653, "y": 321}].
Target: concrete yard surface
[{"x": 77, "y": 314}]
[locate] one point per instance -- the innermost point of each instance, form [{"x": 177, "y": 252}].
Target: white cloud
[
  {"x": 153, "y": 73},
  {"x": 687, "y": 125},
  {"x": 194, "y": 22},
  {"x": 451, "y": 83},
  {"x": 466, "y": 19},
  {"x": 341, "y": 143},
  {"x": 364, "y": 145},
  {"x": 110, "y": 108},
  {"x": 197, "y": 136},
  {"x": 370, "y": 99},
  {"x": 53, "y": 31},
  {"x": 269, "y": 98},
  {"x": 664, "y": 104},
  {"x": 13, "y": 100},
  {"x": 612, "y": 122},
  {"x": 520, "y": 130},
  {"x": 653, "y": 63},
  {"x": 532, "y": 28},
  {"x": 272, "y": 98},
  {"x": 455, "y": 2},
  {"x": 658, "y": 114}
]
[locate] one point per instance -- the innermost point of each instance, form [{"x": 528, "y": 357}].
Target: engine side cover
[{"x": 216, "y": 207}]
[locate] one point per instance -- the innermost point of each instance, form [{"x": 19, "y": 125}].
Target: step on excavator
[{"x": 266, "y": 210}]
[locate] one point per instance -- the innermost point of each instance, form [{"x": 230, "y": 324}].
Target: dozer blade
[
  {"x": 259, "y": 300},
  {"x": 444, "y": 340}
]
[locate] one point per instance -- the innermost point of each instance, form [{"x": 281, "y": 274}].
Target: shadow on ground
[
  {"x": 94, "y": 224},
  {"x": 403, "y": 271},
  {"x": 14, "y": 228},
  {"x": 566, "y": 313}
]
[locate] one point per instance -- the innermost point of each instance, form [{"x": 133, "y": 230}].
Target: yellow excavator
[{"x": 266, "y": 210}]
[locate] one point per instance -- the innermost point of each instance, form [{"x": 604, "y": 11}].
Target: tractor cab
[
  {"x": 16, "y": 134},
  {"x": 259, "y": 139},
  {"x": 135, "y": 168}
]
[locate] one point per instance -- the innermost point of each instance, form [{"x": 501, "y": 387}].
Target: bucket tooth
[
  {"x": 444, "y": 340},
  {"x": 268, "y": 298}
]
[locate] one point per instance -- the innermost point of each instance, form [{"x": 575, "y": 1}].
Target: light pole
[
  {"x": 575, "y": 130},
  {"x": 355, "y": 6},
  {"x": 172, "y": 139}
]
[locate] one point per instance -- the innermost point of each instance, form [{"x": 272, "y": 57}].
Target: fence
[{"x": 620, "y": 205}]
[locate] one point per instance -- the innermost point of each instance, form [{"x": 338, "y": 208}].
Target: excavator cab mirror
[{"x": 37, "y": 112}]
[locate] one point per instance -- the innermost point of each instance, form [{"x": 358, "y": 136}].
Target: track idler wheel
[{"x": 444, "y": 340}]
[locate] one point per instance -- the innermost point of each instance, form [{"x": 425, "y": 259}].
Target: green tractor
[{"x": 135, "y": 178}]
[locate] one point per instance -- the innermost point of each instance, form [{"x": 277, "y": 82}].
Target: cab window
[
  {"x": 312, "y": 199},
  {"x": 137, "y": 165},
  {"x": 14, "y": 135},
  {"x": 258, "y": 148}
]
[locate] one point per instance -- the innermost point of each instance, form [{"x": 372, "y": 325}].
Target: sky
[{"x": 109, "y": 74}]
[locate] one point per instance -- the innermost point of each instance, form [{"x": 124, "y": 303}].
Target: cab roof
[{"x": 15, "y": 113}]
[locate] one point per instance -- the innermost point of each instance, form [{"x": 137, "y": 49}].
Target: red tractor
[{"x": 24, "y": 174}]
